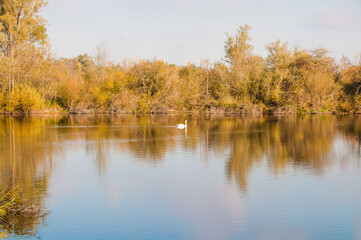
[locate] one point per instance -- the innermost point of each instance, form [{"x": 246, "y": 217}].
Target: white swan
[{"x": 182, "y": 126}]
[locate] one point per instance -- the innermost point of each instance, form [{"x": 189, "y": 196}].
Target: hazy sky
[{"x": 179, "y": 31}]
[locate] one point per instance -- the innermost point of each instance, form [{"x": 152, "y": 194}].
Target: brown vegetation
[{"x": 287, "y": 80}]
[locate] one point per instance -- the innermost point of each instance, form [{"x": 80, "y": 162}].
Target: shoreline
[{"x": 171, "y": 112}]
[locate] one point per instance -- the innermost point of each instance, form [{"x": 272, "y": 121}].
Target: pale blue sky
[{"x": 179, "y": 31}]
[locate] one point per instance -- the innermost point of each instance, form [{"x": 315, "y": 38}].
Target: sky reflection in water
[{"x": 128, "y": 177}]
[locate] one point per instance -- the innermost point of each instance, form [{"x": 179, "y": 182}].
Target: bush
[
  {"x": 144, "y": 105},
  {"x": 23, "y": 99}
]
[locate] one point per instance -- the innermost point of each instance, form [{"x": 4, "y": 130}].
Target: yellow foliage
[
  {"x": 297, "y": 80},
  {"x": 99, "y": 97},
  {"x": 22, "y": 99}
]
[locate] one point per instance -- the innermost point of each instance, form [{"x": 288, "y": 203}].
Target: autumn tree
[
  {"x": 206, "y": 65},
  {"x": 21, "y": 27},
  {"x": 151, "y": 82},
  {"x": 313, "y": 85},
  {"x": 243, "y": 63},
  {"x": 238, "y": 47},
  {"x": 101, "y": 56},
  {"x": 350, "y": 79},
  {"x": 278, "y": 72},
  {"x": 189, "y": 89}
]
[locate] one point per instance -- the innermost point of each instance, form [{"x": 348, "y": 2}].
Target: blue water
[{"x": 129, "y": 177}]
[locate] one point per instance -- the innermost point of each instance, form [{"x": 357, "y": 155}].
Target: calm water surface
[{"x": 128, "y": 177}]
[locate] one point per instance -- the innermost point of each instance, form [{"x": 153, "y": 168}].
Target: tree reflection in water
[
  {"x": 29, "y": 145},
  {"x": 301, "y": 142},
  {"x": 24, "y": 173}
]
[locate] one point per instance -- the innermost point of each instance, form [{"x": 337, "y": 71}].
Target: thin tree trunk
[
  {"x": 13, "y": 70},
  {"x": 207, "y": 85},
  {"x": 9, "y": 75}
]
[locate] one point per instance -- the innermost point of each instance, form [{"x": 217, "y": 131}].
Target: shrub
[{"x": 23, "y": 99}]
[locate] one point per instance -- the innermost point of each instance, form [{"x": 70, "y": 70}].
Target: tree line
[{"x": 286, "y": 80}]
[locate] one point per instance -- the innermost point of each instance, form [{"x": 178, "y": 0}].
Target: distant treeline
[{"x": 287, "y": 80}]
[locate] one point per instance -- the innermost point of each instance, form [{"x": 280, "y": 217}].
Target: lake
[{"x": 139, "y": 177}]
